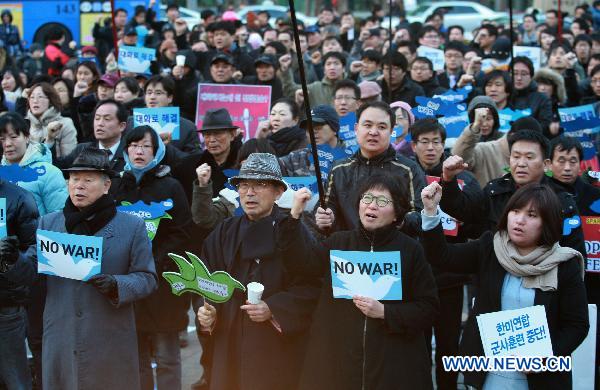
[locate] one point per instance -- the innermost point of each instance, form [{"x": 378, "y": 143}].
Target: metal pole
[
  {"x": 114, "y": 32},
  {"x": 390, "y": 58}
]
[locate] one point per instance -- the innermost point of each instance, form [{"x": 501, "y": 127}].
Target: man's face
[
  {"x": 456, "y": 35},
  {"x": 222, "y": 39},
  {"x": 314, "y": 40},
  {"x": 258, "y": 197},
  {"x": 369, "y": 66},
  {"x": 269, "y": 36},
  {"x": 454, "y": 60},
  {"x": 496, "y": 90},
  {"x": 576, "y": 29},
  {"x": 156, "y": 96},
  {"x": 429, "y": 149},
  {"x": 324, "y": 134},
  {"x": 486, "y": 40},
  {"x": 583, "y": 50},
  {"x": 397, "y": 75},
  {"x": 522, "y": 77},
  {"x": 546, "y": 40},
  {"x": 373, "y": 131},
  {"x": 130, "y": 40},
  {"x": 86, "y": 187},
  {"x": 345, "y": 101},
  {"x": 557, "y": 60},
  {"x": 105, "y": 92},
  {"x": 326, "y": 17},
  {"x": 420, "y": 72},
  {"x": 334, "y": 69},
  {"x": 565, "y": 165},
  {"x": 332, "y": 45},
  {"x": 286, "y": 39},
  {"x": 263, "y": 18},
  {"x": 551, "y": 19},
  {"x": 221, "y": 71},
  {"x": 430, "y": 39},
  {"x": 347, "y": 19},
  {"x": 218, "y": 143},
  {"x": 303, "y": 43},
  {"x": 120, "y": 19},
  {"x": 172, "y": 14},
  {"x": 528, "y": 24},
  {"x": 107, "y": 127},
  {"x": 526, "y": 162},
  {"x": 265, "y": 72},
  {"x": 591, "y": 65}
]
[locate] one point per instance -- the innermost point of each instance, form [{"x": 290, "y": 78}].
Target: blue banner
[
  {"x": 455, "y": 96},
  {"x": 136, "y": 59},
  {"x": 14, "y": 173},
  {"x": 3, "y": 232},
  {"x": 68, "y": 255},
  {"x": 297, "y": 182},
  {"x": 507, "y": 116},
  {"x": 454, "y": 124},
  {"x": 151, "y": 213},
  {"x": 327, "y": 156},
  {"x": 347, "y": 133},
  {"x": 162, "y": 120},
  {"x": 375, "y": 275},
  {"x": 432, "y": 107}
]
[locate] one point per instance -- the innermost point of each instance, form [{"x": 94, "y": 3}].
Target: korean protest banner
[
  {"x": 583, "y": 123},
  {"x": 454, "y": 124},
  {"x": 327, "y": 156},
  {"x": 435, "y": 55},
  {"x": 151, "y": 213},
  {"x": 520, "y": 332},
  {"x": 375, "y": 275},
  {"x": 297, "y": 182},
  {"x": 449, "y": 224},
  {"x": 508, "y": 116},
  {"x": 591, "y": 234},
  {"x": 247, "y": 104},
  {"x": 15, "y": 173},
  {"x": 68, "y": 255},
  {"x": 162, "y": 120},
  {"x": 455, "y": 96},
  {"x": 135, "y": 59},
  {"x": 3, "y": 232},
  {"x": 533, "y": 53},
  {"x": 347, "y": 133}
]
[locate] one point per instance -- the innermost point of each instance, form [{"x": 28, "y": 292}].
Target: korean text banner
[
  {"x": 520, "y": 332},
  {"x": 136, "y": 59},
  {"x": 247, "y": 104},
  {"x": 375, "y": 275},
  {"x": 68, "y": 255},
  {"x": 591, "y": 233},
  {"x": 162, "y": 120}
]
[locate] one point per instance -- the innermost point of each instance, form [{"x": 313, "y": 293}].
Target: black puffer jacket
[
  {"x": 407, "y": 92},
  {"x": 540, "y": 104},
  {"x": 21, "y": 221},
  {"x": 432, "y": 87}
]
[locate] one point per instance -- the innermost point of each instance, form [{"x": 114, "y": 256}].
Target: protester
[
  {"x": 525, "y": 94},
  {"x": 282, "y": 128},
  {"x": 12, "y": 86},
  {"x": 266, "y": 74},
  {"x": 404, "y": 119},
  {"x": 421, "y": 72},
  {"x": 127, "y": 92},
  {"x": 346, "y": 97},
  {"x": 396, "y": 79}
]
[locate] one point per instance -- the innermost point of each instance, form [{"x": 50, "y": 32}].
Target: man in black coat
[
  {"x": 403, "y": 88},
  {"x": 525, "y": 94},
  {"x": 266, "y": 74},
  {"x": 18, "y": 269},
  {"x": 186, "y": 86},
  {"x": 422, "y": 73}
]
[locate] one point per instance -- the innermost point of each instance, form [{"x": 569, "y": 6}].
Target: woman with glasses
[
  {"x": 362, "y": 342},
  {"x": 47, "y": 123},
  {"x": 162, "y": 315}
]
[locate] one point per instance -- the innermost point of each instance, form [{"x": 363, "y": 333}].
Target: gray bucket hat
[{"x": 260, "y": 166}]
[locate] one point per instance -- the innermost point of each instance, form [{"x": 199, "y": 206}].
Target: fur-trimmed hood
[{"x": 556, "y": 79}]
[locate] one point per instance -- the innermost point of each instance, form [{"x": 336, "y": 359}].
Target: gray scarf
[{"x": 539, "y": 268}]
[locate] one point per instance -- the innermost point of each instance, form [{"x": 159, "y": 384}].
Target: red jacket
[{"x": 56, "y": 57}]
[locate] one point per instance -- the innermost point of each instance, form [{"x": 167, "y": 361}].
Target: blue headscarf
[{"x": 139, "y": 172}]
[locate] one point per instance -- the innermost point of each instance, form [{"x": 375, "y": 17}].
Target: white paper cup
[
  {"x": 255, "y": 291},
  {"x": 180, "y": 60}
]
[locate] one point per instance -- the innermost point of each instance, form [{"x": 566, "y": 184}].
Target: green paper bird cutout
[{"x": 194, "y": 277}]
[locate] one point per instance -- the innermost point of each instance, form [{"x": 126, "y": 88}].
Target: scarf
[
  {"x": 539, "y": 268},
  {"x": 287, "y": 140},
  {"x": 89, "y": 220},
  {"x": 139, "y": 172}
]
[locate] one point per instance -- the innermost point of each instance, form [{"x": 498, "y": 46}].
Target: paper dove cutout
[
  {"x": 63, "y": 265},
  {"x": 14, "y": 173},
  {"x": 595, "y": 207},
  {"x": 151, "y": 213},
  {"x": 132, "y": 64},
  {"x": 361, "y": 284},
  {"x": 194, "y": 277},
  {"x": 569, "y": 224}
]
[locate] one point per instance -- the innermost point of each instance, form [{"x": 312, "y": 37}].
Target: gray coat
[{"x": 89, "y": 342}]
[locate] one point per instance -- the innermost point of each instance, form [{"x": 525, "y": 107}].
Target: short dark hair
[
  {"x": 291, "y": 103},
  {"x": 227, "y": 26},
  {"x": 493, "y": 30},
  {"x": 254, "y": 145},
  {"x": 426, "y": 29},
  {"x": 131, "y": 84},
  {"x": 455, "y": 45},
  {"x": 347, "y": 83},
  {"x": 396, "y": 59},
  {"x": 399, "y": 193},
  {"x": 523, "y": 60},
  {"x": 497, "y": 73},
  {"x": 595, "y": 70},
  {"x": 372, "y": 55},
  {"x": 166, "y": 81},
  {"x": 566, "y": 144},
  {"x": 383, "y": 106},
  {"x": 138, "y": 133},
  {"x": 530, "y": 136},
  {"x": 583, "y": 24},
  {"x": 583, "y": 38},
  {"x": 556, "y": 44},
  {"x": 552, "y": 11},
  {"x": 532, "y": 16},
  {"x": 424, "y": 60},
  {"x": 456, "y": 27},
  {"x": 50, "y": 92},
  {"x": 120, "y": 10},
  {"x": 17, "y": 122},
  {"x": 426, "y": 125},
  {"x": 332, "y": 38},
  {"x": 411, "y": 46},
  {"x": 92, "y": 67},
  {"x": 172, "y": 6},
  {"x": 122, "y": 111},
  {"x": 334, "y": 54}
]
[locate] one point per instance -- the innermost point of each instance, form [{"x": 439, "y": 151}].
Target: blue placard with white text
[
  {"x": 67, "y": 255},
  {"x": 375, "y": 275},
  {"x": 15, "y": 173},
  {"x": 136, "y": 59},
  {"x": 3, "y": 232},
  {"x": 162, "y": 120}
]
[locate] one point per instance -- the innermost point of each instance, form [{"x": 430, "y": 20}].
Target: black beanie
[{"x": 526, "y": 123}]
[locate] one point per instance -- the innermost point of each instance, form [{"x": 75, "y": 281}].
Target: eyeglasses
[
  {"x": 595, "y": 81},
  {"x": 157, "y": 92},
  {"x": 346, "y": 98},
  {"x": 144, "y": 148},
  {"x": 434, "y": 142},
  {"x": 380, "y": 201},
  {"x": 257, "y": 186}
]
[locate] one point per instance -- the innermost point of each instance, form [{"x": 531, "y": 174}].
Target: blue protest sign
[
  {"x": 327, "y": 156},
  {"x": 151, "y": 213},
  {"x": 3, "y": 232},
  {"x": 135, "y": 59},
  {"x": 569, "y": 224},
  {"x": 431, "y": 107},
  {"x": 586, "y": 111},
  {"x": 583, "y": 129},
  {"x": 454, "y": 124},
  {"x": 455, "y": 96},
  {"x": 231, "y": 173},
  {"x": 15, "y": 173},
  {"x": 375, "y": 275},
  {"x": 347, "y": 134},
  {"x": 68, "y": 255},
  {"x": 162, "y": 120},
  {"x": 507, "y": 116},
  {"x": 297, "y": 182}
]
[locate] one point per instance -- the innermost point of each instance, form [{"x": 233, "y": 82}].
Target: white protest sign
[
  {"x": 584, "y": 357},
  {"x": 520, "y": 332},
  {"x": 533, "y": 53},
  {"x": 435, "y": 55}
]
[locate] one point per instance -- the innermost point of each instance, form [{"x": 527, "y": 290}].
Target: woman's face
[
  {"x": 402, "y": 121},
  {"x": 281, "y": 117},
  {"x": 487, "y": 126},
  {"x": 123, "y": 94},
  {"x": 141, "y": 152},
  {"x": 85, "y": 74},
  {"x": 557, "y": 59},
  {"x": 14, "y": 145},
  {"x": 546, "y": 89},
  {"x": 374, "y": 216},
  {"x": 63, "y": 92},
  {"x": 8, "y": 82},
  {"x": 38, "y": 102},
  {"x": 546, "y": 40},
  {"x": 524, "y": 227}
]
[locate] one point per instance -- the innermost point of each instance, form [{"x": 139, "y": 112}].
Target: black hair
[
  {"x": 383, "y": 106},
  {"x": 493, "y": 30},
  {"x": 456, "y": 26},
  {"x": 167, "y": 83},
  {"x": 138, "y": 133},
  {"x": 254, "y": 145},
  {"x": 523, "y": 60},
  {"x": 172, "y": 6},
  {"x": 122, "y": 111},
  {"x": 552, "y": 11},
  {"x": 291, "y": 103},
  {"x": 530, "y": 136},
  {"x": 279, "y": 47},
  {"x": 426, "y": 125},
  {"x": 556, "y": 44},
  {"x": 15, "y": 73},
  {"x": 583, "y": 38},
  {"x": 595, "y": 70},
  {"x": 455, "y": 45},
  {"x": 424, "y": 60},
  {"x": 497, "y": 73},
  {"x": 17, "y": 122},
  {"x": 334, "y": 54},
  {"x": 131, "y": 84},
  {"x": 332, "y": 38},
  {"x": 347, "y": 83},
  {"x": 566, "y": 144},
  {"x": 121, "y": 10},
  {"x": 207, "y": 13},
  {"x": 226, "y": 26},
  {"x": 399, "y": 193},
  {"x": 396, "y": 59},
  {"x": 532, "y": 16},
  {"x": 372, "y": 55},
  {"x": 583, "y": 24},
  {"x": 411, "y": 46},
  {"x": 426, "y": 29},
  {"x": 68, "y": 83}
]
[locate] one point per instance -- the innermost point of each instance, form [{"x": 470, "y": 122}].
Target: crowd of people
[{"x": 66, "y": 119}]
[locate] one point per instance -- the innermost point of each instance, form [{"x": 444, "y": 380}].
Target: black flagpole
[
  {"x": 511, "y": 35},
  {"x": 313, "y": 142}
]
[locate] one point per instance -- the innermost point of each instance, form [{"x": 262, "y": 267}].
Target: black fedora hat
[
  {"x": 91, "y": 159},
  {"x": 217, "y": 119}
]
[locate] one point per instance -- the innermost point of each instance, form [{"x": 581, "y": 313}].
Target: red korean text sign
[{"x": 591, "y": 233}]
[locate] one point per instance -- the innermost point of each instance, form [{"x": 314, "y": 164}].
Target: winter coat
[
  {"x": 319, "y": 92},
  {"x": 406, "y": 92},
  {"x": 90, "y": 342},
  {"x": 432, "y": 87},
  {"x": 188, "y": 141},
  {"x": 275, "y": 83},
  {"x": 66, "y": 140},
  {"x": 566, "y": 308},
  {"x": 54, "y": 59},
  {"x": 346, "y": 349},
  {"x": 49, "y": 189},
  {"x": 186, "y": 96},
  {"x": 346, "y": 175},
  {"x": 539, "y": 104},
  {"x": 9, "y": 35},
  {"x": 258, "y": 355},
  {"x": 21, "y": 221},
  {"x": 116, "y": 162},
  {"x": 287, "y": 140},
  {"x": 162, "y": 311},
  {"x": 85, "y": 107}
]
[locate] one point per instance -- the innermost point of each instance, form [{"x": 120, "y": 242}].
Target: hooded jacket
[
  {"x": 483, "y": 101},
  {"x": 67, "y": 138}
]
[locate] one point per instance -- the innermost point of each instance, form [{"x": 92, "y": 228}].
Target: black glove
[
  {"x": 9, "y": 252},
  {"x": 106, "y": 284}
]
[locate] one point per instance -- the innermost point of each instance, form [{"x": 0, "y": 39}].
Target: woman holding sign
[
  {"x": 519, "y": 266},
  {"x": 146, "y": 189},
  {"x": 366, "y": 342}
]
